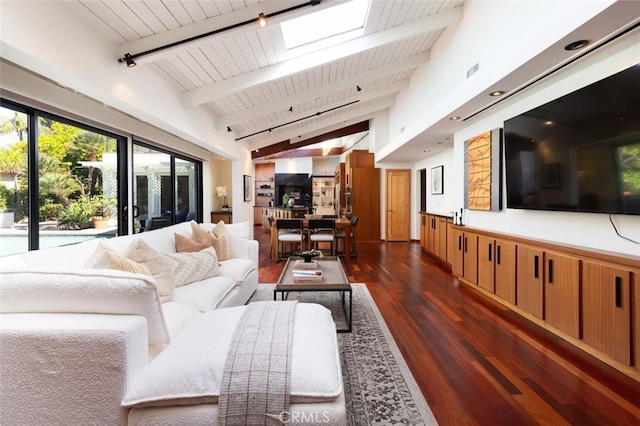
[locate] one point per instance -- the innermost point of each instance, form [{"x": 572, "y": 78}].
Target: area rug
[{"x": 379, "y": 388}]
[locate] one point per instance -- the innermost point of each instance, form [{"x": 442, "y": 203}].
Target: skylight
[{"x": 326, "y": 27}]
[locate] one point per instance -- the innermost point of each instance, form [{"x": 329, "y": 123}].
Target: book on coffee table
[{"x": 307, "y": 276}]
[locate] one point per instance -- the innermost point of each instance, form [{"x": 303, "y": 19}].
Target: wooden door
[
  {"x": 505, "y": 267},
  {"x": 486, "y": 263},
  {"x": 606, "y": 310},
  {"x": 529, "y": 276},
  {"x": 470, "y": 247},
  {"x": 561, "y": 292},
  {"x": 457, "y": 252},
  {"x": 398, "y": 200},
  {"x": 365, "y": 200}
]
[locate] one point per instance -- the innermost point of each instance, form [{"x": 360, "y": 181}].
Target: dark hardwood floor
[{"x": 475, "y": 361}]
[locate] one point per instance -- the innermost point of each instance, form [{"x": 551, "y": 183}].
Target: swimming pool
[{"x": 16, "y": 242}]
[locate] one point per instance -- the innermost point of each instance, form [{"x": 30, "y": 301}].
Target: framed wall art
[{"x": 437, "y": 180}]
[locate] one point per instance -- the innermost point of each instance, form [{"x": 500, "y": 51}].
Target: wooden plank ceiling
[{"x": 244, "y": 78}]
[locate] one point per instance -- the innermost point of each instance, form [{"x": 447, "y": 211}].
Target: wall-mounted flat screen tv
[{"x": 580, "y": 152}]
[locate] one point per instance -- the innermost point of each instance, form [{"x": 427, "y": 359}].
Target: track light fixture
[
  {"x": 129, "y": 60},
  {"x": 358, "y": 89},
  {"x": 290, "y": 109},
  {"x": 262, "y": 20},
  {"x": 228, "y": 129}
]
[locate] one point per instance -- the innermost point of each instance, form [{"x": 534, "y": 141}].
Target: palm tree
[{"x": 17, "y": 124}]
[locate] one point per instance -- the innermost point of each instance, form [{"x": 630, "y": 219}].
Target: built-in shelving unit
[
  {"x": 323, "y": 201},
  {"x": 265, "y": 190}
]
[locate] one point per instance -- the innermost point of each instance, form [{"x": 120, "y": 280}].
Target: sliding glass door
[
  {"x": 167, "y": 188},
  {"x": 58, "y": 181}
]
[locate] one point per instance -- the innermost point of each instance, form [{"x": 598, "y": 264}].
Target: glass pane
[
  {"x": 14, "y": 207},
  {"x": 78, "y": 185},
  {"x": 186, "y": 187},
  {"x": 152, "y": 188}
]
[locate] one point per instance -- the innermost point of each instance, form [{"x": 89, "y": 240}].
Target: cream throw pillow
[
  {"x": 121, "y": 263},
  {"x": 218, "y": 237},
  {"x": 187, "y": 245},
  {"x": 156, "y": 262},
  {"x": 194, "y": 266},
  {"x": 221, "y": 241}
]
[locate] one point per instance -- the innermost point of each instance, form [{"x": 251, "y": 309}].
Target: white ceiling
[
  {"x": 242, "y": 77},
  {"x": 244, "y": 80}
]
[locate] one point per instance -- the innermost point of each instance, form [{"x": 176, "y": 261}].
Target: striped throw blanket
[{"x": 256, "y": 380}]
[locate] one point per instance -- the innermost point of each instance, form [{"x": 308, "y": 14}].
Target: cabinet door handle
[
  {"x": 459, "y": 242},
  {"x": 490, "y": 251},
  {"x": 618, "y": 292},
  {"x": 550, "y": 271},
  {"x": 498, "y": 254},
  {"x": 535, "y": 266}
]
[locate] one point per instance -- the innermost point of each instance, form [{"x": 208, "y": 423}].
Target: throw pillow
[
  {"x": 221, "y": 241},
  {"x": 156, "y": 262},
  {"x": 218, "y": 236},
  {"x": 186, "y": 244},
  {"x": 121, "y": 263},
  {"x": 193, "y": 266}
]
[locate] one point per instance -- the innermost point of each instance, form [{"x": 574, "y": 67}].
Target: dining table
[{"x": 342, "y": 223}]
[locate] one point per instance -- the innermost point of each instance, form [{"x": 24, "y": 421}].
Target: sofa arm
[
  {"x": 70, "y": 369},
  {"x": 254, "y": 252}
]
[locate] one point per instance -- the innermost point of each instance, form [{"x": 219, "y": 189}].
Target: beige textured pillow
[
  {"x": 193, "y": 266},
  {"x": 121, "y": 263},
  {"x": 186, "y": 244},
  {"x": 156, "y": 262},
  {"x": 221, "y": 241}
]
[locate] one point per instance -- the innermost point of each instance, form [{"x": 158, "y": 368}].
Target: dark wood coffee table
[{"x": 333, "y": 279}]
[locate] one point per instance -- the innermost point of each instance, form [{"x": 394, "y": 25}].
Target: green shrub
[{"x": 51, "y": 211}]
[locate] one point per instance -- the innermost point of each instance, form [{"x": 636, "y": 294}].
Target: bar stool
[
  {"x": 322, "y": 231},
  {"x": 289, "y": 232}
]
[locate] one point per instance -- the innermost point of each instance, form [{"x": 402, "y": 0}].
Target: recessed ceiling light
[
  {"x": 576, "y": 45},
  {"x": 497, "y": 93},
  {"x": 454, "y": 118},
  {"x": 548, "y": 123}
]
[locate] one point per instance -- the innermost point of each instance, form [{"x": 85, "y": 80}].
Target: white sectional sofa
[{"x": 82, "y": 343}]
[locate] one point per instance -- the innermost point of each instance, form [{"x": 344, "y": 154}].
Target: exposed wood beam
[
  {"x": 214, "y": 91},
  {"x": 337, "y": 86},
  {"x": 362, "y": 97},
  {"x": 287, "y": 145},
  {"x": 358, "y": 114},
  {"x": 311, "y": 152}
]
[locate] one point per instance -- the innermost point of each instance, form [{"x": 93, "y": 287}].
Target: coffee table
[{"x": 333, "y": 279}]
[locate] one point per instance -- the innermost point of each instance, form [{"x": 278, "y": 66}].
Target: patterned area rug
[{"x": 379, "y": 388}]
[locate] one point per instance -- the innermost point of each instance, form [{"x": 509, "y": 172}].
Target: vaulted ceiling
[{"x": 244, "y": 78}]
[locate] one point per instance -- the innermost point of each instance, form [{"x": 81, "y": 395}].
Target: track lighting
[
  {"x": 228, "y": 129},
  {"x": 358, "y": 89},
  {"x": 262, "y": 20},
  {"x": 290, "y": 109},
  {"x": 129, "y": 58}
]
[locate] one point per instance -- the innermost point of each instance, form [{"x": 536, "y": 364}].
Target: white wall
[
  {"x": 484, "y": 36},
  {"x": 294, "y": 165},
  {"x": 325, "y": 166},
  {"x": 581, "y": 229}
]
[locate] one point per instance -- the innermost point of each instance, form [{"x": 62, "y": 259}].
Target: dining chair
[
  {"x": 289, "y": 232},
  {"x": 322, "y": 231},
  {"x": 341, "y": 235}
]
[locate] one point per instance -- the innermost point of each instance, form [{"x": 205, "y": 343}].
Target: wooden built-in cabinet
[
  {"x": 434, "y": 235},
  {"x": 529, "y": 279},
  {"x": 587, "y": 297},
  {"x": 561, "y": 292},
  {"x": 505, "y": 274},
  {"x": 606, "y": 309}
]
